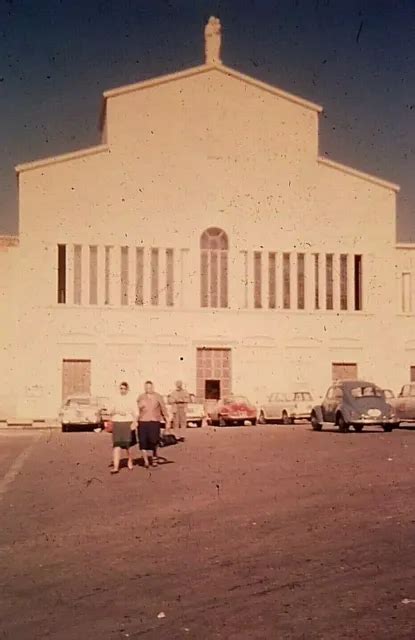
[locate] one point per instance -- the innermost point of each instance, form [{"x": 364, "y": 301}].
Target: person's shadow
[{"x": 161, "y": 461}]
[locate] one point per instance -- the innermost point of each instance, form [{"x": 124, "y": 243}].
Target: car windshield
[
  {"x": 304, "y": 397},
  {"x": 366, "y": 391},
  {"x": 412, "y": 391},
  {"x": 236, "y": 399}
]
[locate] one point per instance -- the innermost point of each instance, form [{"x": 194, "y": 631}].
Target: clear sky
[{"x": 354, "y": 57}]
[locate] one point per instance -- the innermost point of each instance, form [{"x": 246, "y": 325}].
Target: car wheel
[
  {"x": 388, "y": 428},
  {"x": 65, "y": 428},
  {"x": 315, "y": 424},
  {"x": 253, "y": 422},
  {"x": 222, "y": 422},
  {"x": 285, "y": 418},
  {"x": 358, "y": 428},
  {"x": 261, "y": 418},
  {"x": 198, "y": 423},
  {"x": 342, "y": 424}
]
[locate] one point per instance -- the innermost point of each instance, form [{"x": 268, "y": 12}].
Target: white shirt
[{"x": 124, "y": 408}]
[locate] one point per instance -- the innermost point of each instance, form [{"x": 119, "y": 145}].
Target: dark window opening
[
  {"x": 272, "y": 281},
  {"x": 93, "y": 274},
  {"x": 300, "y": 281},
  {"x": 257, "y": 280},
  {"x": 286, "y": 280},
  {"x": 358, "y": 283},
  {"x": 212, "y": 389},
  {"x": 316, "y": 282},
  {"x": 124, "y": 276},
  {"x": 329, "y": 281},
  {"x": 61, "y": 273},
  {"x": 343, "y": 282}
]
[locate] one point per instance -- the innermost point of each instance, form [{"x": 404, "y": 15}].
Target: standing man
[
  {"x": 151, "y": 411},
  {"x": 179, "y": 399}
]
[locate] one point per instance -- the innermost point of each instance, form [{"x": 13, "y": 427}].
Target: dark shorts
[
  {"x": 122, "y": 436},
  {"x": 148, "y": 435}
]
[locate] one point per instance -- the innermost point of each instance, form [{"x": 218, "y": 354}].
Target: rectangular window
[
  {"x": 412, "y": 373},
  {"x": 204, "y": 279},
  {"x": 107, "y": 267},
  {"x": 213, "y": 279},
  {"x": 329, "y": 281},
  {"x": 406, "y": 292},
  {"x": 344, "y": 371},
  {"x": 272, "y": 281},
  {"x": 224, "y": 279},
  {"x": 358, "y": 283},
  {"x": 124, "y": 276},
  {"x": 300, "y": 281},
  {"x": 93, "y": 275},
  {"x": 286, "y": 280},
  {"x": 316, "y": 282},
  {"x": 169, "y": 277},
  {"x": 343, "y": 282},
  {"x": 61, "y": 273},
  {"x": 77, "y": 273},
  {"x": 139, "y": 279},
  {"x": 257, "y": 280},
  {"x": 154, "y": 276}
]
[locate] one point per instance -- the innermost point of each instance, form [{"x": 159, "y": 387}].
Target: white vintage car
[
  {"x": 83, "y": 410},
  {"x": 286, "y": 407},
  {"x": 404, "y": 403}
]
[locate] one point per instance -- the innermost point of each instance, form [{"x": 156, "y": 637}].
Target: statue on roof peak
[{"x": 213, "y": 38}]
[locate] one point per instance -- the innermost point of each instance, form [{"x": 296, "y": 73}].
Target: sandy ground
[{"x": 244, "y": 533}]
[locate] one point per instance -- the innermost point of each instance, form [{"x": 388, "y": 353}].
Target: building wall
[
  {"x": 9, "y": 258},
  {"x": 205, "y": 151}
]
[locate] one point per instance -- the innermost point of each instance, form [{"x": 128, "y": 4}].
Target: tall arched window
[{"x": 214, "y": 268}]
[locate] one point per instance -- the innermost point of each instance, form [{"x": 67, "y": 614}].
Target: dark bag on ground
[{"x": 167, "y": 439}]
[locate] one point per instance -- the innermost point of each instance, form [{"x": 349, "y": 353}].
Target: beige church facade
[{"x": 205, "y": 239}]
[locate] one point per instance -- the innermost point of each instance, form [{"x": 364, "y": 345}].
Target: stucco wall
[{"x": 208, "y": 150}]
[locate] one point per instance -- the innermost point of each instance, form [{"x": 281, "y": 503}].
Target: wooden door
[
  {"x": 76, "y": 378},
  {"x": 344, "y": 371},
  {"x": 213, "y": 365}
]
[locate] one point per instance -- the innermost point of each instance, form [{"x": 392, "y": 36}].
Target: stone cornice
[
  {"x": 65, "y": 157},
  {"x": 358, "y": 174}
]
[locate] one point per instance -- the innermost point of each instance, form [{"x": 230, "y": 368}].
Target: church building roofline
[
  {"x": 64, "y": 157},
  {"x": 204, "y": 68},
  {"x": 359, "y": 174}
]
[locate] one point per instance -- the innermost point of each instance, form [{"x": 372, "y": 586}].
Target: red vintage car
[{"x": 233, "y": 410}]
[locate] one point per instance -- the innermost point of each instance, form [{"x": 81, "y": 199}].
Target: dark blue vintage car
[{"x": 355, "y": 403}]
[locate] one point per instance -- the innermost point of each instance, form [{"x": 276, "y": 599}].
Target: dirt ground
[{"x": 244, "y": 533}]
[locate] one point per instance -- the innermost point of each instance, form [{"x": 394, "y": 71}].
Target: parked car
[
  {"x": 404, "y": 403},
  {"x": 233, "y": 410},
  {"x": 83, "y": 410},
  {"x": 286, "y": 407},
  {"x": 196, "y": 413},
  {"x": 354, "y": 403}
]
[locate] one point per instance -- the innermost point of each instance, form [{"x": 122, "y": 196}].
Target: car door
[
  {"x": 401, "y": 402},
  {"x": 270, "y": 406},
  {"x": 328, "y": 406},
  {"x": 410, "y": 403}
]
